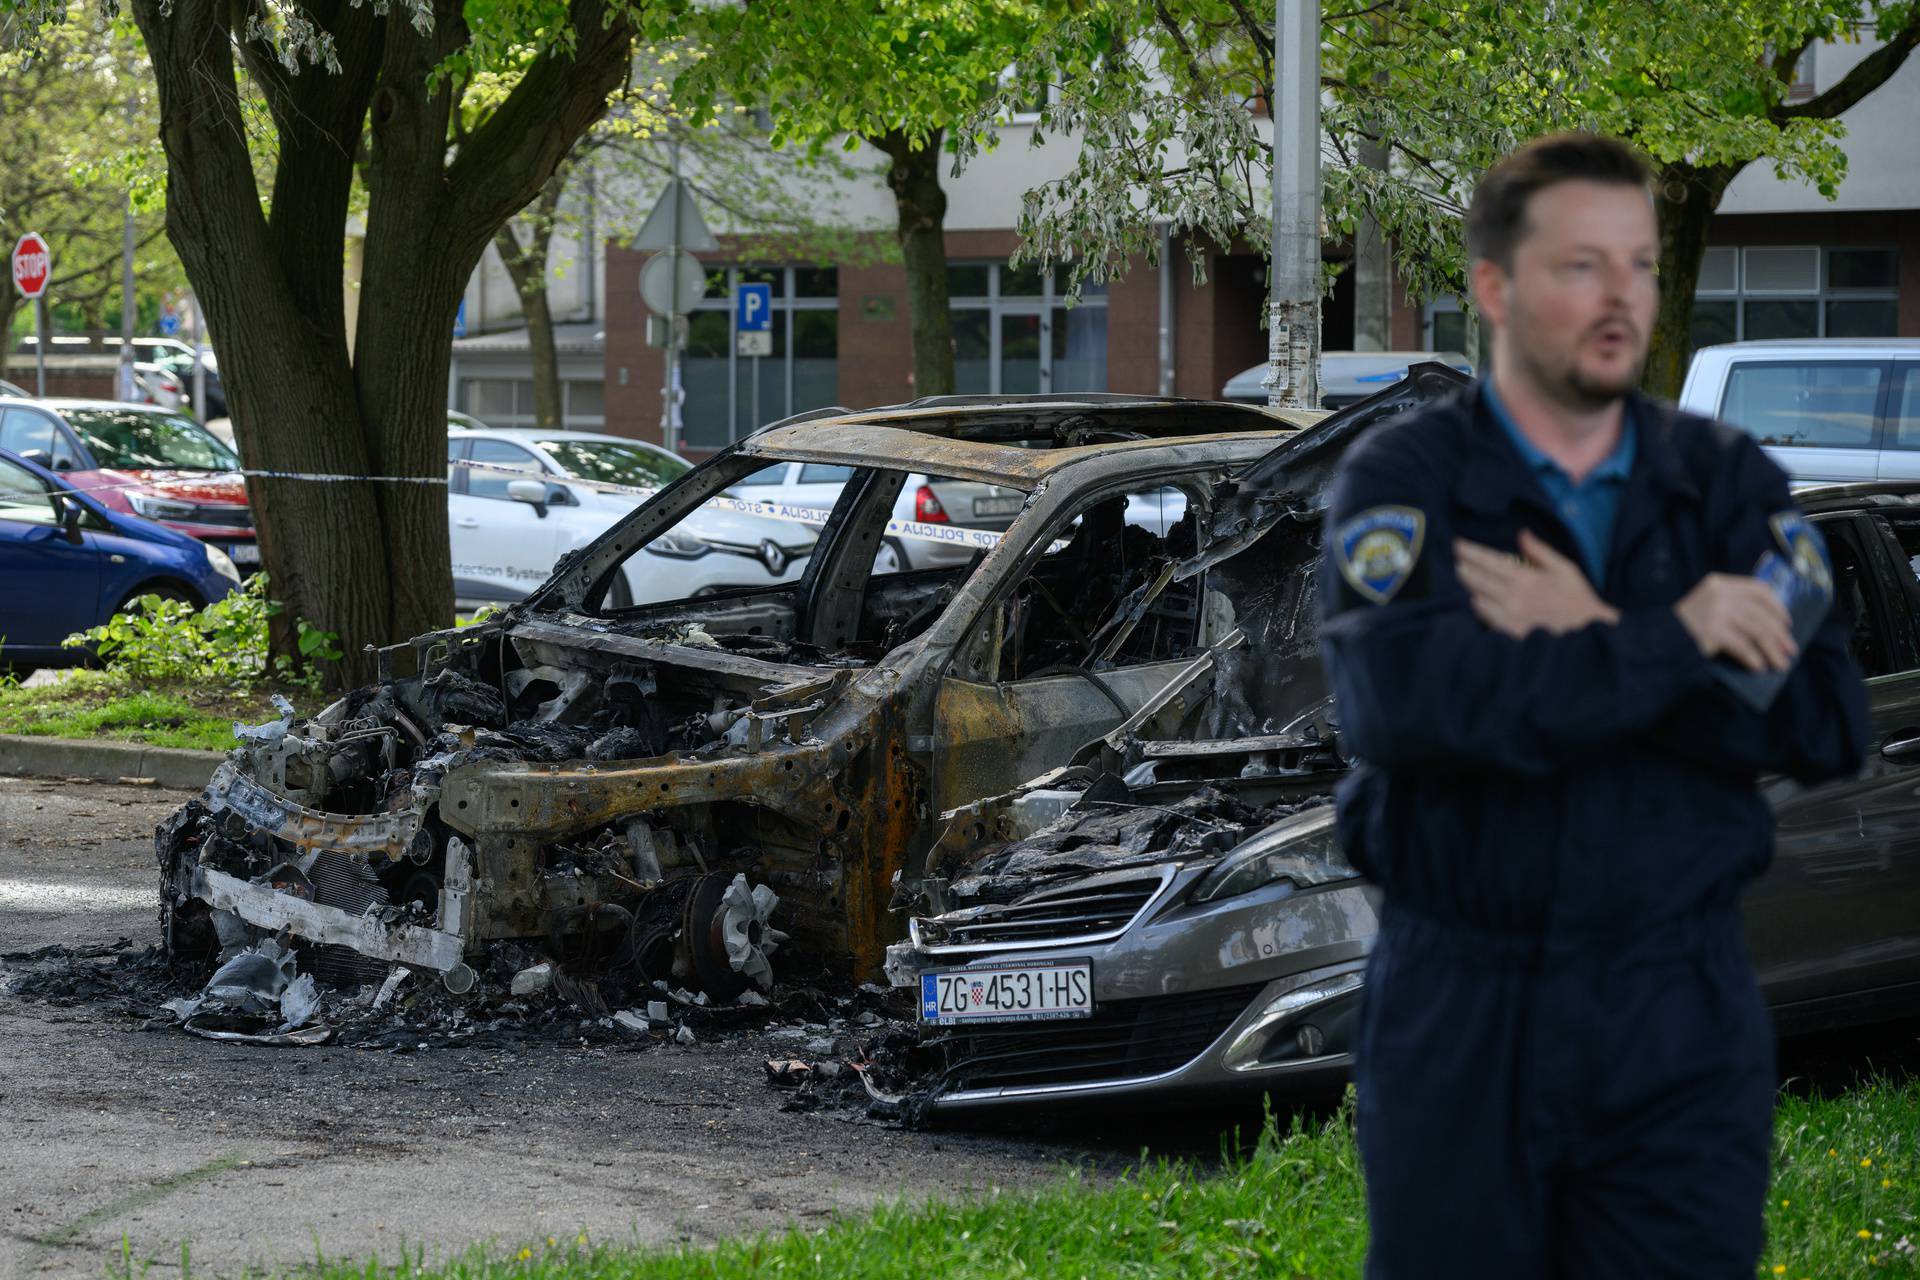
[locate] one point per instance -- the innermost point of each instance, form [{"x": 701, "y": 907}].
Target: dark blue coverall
[{"x": 1565, "y": 1067}]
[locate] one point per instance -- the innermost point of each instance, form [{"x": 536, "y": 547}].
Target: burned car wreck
[
  {"x": 1170, "y": 912},
  {"x": 699, "y": 789}
]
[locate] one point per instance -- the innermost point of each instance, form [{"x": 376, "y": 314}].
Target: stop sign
[{"x": 32, "y": 265}]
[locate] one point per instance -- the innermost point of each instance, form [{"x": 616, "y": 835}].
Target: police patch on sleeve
[
  {"x": 1804, "y": 548},
  {"x": 1377, "y": 549},
  {"x": 1801, "y": 578}
]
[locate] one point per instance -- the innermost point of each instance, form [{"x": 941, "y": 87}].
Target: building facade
[{"x": 1783, "y": 262}]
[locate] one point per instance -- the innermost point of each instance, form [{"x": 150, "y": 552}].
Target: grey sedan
[{"x": 1171, "y": 912}]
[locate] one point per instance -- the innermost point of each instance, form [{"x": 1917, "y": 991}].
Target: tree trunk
[
  {"x": 365, "y": 555},
  {"x": 527, "y": 267},
  {"x": 921, "y": 203},
  {"x": 1372, "y": 270},
  {"x": 1684, "y": 197}
]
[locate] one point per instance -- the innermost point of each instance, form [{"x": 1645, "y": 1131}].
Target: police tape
[{"x": 971, "y": 539}]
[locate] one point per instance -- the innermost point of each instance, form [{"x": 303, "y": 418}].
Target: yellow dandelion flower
[
  {"x": 1831, "y": 1153},
  {"x": 1785, "y": 1203},
  {"x": 528, "y": 1253},
  {"x": 1864, "y": 1234},
  {"x": 1866, "y": 1163},
  {"x": 1886, "y": 1182},
  {"x": 1779, "y": 1268},
  {"x": 551, "y": 1242}
]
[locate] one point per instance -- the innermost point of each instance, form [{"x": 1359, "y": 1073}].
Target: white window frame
[
  {"x": 783, "y": 301},
  {"x": 998, "y": 305},
  {"x": 1823, "y": 292}
]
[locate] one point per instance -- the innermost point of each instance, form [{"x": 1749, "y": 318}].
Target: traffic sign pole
[{"x": 32, "y": 266}]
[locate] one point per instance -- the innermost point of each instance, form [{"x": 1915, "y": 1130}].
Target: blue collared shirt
[{"x": 1591, "y": 507}]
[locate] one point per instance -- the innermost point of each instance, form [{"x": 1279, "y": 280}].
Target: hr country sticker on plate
[{"x": 1035, "y": 992}]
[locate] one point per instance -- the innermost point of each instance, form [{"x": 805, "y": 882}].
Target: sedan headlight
[
  {"x": 222, "y": 563},
  {"x": 681, "y": 546},
  {"x": 1304, "y": 849},
  {"x": 156, "y": 508}
]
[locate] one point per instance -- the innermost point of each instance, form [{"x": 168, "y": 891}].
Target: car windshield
[
  {"x": 616, "y": 463},
  {"x": 130, "y": 440}
]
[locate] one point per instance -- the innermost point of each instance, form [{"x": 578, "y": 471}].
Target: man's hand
[
  {"x": 1538, "y": 590},
  {"x": 1740, "y": 617}
]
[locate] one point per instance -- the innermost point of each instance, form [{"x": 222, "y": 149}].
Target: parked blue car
[{"x": 68, "y": 563}]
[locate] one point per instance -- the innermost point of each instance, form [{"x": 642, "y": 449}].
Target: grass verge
[
  {"x": 1844, "y": 1204},
  {"x": 103, "y": 704}
]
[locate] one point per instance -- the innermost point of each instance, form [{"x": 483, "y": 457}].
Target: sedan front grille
[
  {"x": 1123, "y": 1040},
  {"x": 223, "y": 516},
  {"x": 1072, "y": 914}
]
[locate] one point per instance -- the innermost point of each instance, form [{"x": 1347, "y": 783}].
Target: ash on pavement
[{"x": 115, "y": 1124}]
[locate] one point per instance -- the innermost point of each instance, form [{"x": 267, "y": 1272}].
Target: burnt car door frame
[
  {"x": 1836, "y": 918},
  {"x": 983, "y": 726}
]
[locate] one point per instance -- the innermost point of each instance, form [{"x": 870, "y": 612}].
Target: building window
[
  {"x": 508, "y": 402},
  {"x": 1448, "y": 327},
  {"x": 1014, "y": 334},
  {"x": 730, "y": 395},
  {"x": 1795, "y": 291}
]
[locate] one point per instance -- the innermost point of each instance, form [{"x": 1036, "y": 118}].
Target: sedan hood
[{"x": 209, "y": 488}]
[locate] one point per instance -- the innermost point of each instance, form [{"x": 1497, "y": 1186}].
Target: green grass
[
  {"x": 1292, "y": 1207},
  {"x": 100, "y": 704},
  {"x": 1846, "y": 1184}
]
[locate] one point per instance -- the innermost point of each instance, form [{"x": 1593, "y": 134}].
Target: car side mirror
[
  {"x": 531, "y": 492},
  {"x": 70, "y": 513}
]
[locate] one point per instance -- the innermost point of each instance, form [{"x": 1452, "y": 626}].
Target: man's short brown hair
[{"x": 1497, "y": 219}]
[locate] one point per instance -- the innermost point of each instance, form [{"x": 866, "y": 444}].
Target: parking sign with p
[{"x": 753, "y": 319}]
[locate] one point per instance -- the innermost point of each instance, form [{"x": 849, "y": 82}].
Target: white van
[{"x": 1829, "y": 411}]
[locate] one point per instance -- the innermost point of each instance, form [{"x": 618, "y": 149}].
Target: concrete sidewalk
[{"x": 103, "y": 761}]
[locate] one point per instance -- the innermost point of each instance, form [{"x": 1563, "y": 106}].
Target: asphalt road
[
  {"x": 114, "y": 1128},
  {"x": 111, "y": 1130}
]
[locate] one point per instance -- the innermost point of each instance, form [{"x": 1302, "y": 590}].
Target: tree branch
[
  {"x": 1867, "y": 75},
  {"x": 510, "y": 155}
]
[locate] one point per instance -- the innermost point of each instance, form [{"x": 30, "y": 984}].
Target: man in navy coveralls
[{"x": 1556, "y": 658}]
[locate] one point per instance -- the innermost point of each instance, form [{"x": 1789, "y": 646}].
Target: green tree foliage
[
  {"x": 1165, "y": 96},
  {"x": 769, "y": 198},
  {"x": 908, "y": 77},
  {"x": 269, "y": 113},
  {"x": 76, "y": 130}
]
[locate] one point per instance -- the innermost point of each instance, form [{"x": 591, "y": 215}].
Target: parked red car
[{"x": 142, "y": 459}]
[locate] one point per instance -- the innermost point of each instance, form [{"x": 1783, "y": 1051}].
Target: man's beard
[{"x": 1577, "y": 390}]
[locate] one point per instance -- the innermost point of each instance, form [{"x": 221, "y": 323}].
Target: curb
[{"x": 97, "y": 761}]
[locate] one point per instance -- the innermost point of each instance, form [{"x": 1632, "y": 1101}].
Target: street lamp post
[{"x": 1293, "y": 322}]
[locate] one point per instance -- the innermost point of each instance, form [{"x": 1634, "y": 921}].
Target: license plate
[
  {"x": 997, "y": 506},
  {"x": 244, "y": 552},
  {"x": 1015, "y": 993}
]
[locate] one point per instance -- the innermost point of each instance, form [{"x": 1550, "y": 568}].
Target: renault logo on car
[{"x": 772, "y": 556}]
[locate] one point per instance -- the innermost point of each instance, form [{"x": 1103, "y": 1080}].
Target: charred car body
[
  {"x": 644, "y": 782},
  {"x": 1184, "y": 872}
]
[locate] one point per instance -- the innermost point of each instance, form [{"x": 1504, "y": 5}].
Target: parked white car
[
  {"x": 515, "y": 505},
  {"x": 1346, "y": 377},
  {"x": 922, "y": 500},
  {"x": 1828, "y": 410}
]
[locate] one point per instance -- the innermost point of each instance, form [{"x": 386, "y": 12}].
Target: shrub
[{"x": 223, "y": 644}]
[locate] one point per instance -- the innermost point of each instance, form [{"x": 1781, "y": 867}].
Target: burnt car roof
[
  {"x": 864, "y": 444},
  {"x": 1017, "y": 440}
]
